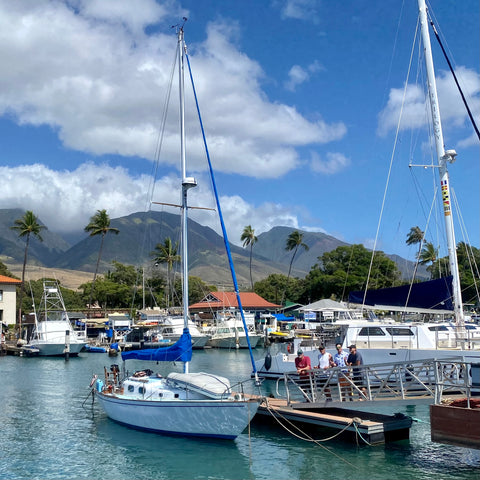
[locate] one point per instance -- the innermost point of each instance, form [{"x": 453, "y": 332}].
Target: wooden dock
[
  {"x": 354, "y": 425},
  {"x": 19, "y": 351}
]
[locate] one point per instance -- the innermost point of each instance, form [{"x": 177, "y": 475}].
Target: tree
[
  {"x": 167, "y": 253},
  {"x": 415, "y": 236},
  {"x": 249, "y": 239},
  {"x": 26, "y": 226},
  {"x": 294, "y": 242},
  {"x": 99, "y": 225},
  {"x": 428, "y": 254}
]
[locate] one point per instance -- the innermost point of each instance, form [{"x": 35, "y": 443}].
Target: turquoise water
[{"x": 50, "y": 429}]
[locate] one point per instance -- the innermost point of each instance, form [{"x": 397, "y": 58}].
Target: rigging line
[
  {"x": 455, "y": 78},
  {"x": 225, "y": 237},
  {"x": 468, "y": 245},
  {"x": 390, "y": 166}
]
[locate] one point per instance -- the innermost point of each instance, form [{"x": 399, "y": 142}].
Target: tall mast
[
  {"x": 187, "y": 182},
  {"x": 444, "y": 156}
]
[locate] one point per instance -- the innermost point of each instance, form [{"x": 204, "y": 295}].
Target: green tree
[
  {"x": 26, "y": 226},
  {"x": 167, "y": 253},
  {"x": 99, "y": 225},
  {"x": 272, "y": 287},
  {"x": 197, "y": 289},
  {"x": 294, "y": 242},
  {"x": 346, "y": 269},
  {"x": 249, "y": 239},
  {"x": 428, "y": 254},
  {"x": 5, "y": 271},
  {"x": 414, "y": 237}
]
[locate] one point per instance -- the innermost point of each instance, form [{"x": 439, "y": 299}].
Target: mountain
[
  {"x": 13, "y": 248},
  {"x": 140, "y": 232}
]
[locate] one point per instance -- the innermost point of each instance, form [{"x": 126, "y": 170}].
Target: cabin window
[
  {"x": 141, "y": 390},
  {"x": 240, "y": 329},
  {"x": 470, "y": 327},
  {"x": 160, "y": 394},
  {"x": 1, "y": 295},
  {"x": 177, "y": 395},
  {"x": 394, "y": 331},
  {"x": 438, "y": 328},
  {"x": 371, "y": 332},
  {"x": 131, "y": 388}
]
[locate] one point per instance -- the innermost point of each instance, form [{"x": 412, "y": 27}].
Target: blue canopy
[
  {"x": 181, "y": 350},
  {"x": 283, "y": 318},
  {"x": 433, "y": 295}
]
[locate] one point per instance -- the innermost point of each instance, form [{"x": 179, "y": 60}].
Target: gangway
[{"x": 410, "y": 382}]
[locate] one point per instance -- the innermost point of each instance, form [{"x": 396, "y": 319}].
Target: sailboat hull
[{"x": 196, "y": 418}]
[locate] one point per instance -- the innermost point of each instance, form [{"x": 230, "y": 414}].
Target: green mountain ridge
[{"x": 141, "y": 231}]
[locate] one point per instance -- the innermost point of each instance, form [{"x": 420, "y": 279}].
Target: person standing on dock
[
  {"x": 325, "y": 361},
  {"x": 340, "y": 360},
  {"x": 355, "y": 359}
]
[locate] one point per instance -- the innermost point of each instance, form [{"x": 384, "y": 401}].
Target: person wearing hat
[
  {"x": 340, "y": 360},
  {"x": 302, "y": 363}
]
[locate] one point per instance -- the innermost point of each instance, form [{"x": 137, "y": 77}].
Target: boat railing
[{"x": 407, "y": 382}]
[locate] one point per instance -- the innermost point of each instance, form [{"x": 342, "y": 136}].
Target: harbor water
[{"x": 51, "y": 430}]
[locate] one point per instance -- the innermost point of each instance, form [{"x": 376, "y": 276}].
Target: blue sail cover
[
  {"x": 431, "y": 295},
  {"x": 181, "y": 350}
]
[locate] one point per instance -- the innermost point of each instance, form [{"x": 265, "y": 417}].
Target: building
[
  {"x": 8, "y": 299},
  {"x": 221, "y": 301}
]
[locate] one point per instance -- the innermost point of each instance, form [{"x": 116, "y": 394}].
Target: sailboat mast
[
  {"x": 443, "y": 157},
  {"x": 187, "y": 182}
]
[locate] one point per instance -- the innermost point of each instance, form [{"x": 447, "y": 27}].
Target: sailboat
[
  {"x": 188, "y": 404},
  {"x": 385, "y": 342},
  {"x": 53, "y": 334}
]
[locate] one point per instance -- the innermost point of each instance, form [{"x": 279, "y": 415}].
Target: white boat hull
[
  {"x": 48, "y": 349},
  {"x": 201, "y": 418},
  {"x": 233, "y": 342}
]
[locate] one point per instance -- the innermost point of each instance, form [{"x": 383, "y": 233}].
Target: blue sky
[{"x": 300, "y": 101}]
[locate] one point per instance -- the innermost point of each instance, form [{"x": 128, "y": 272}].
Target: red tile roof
[
  {"x": 9, "y": 280},
  {"x": 219, "y": 300}
]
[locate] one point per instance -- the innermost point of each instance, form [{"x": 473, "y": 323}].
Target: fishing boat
[
  {"x": 53, "y": 334},
  {"x": 182, "y": 403},
  {"x": 229, "y": 333},
  {"x": 384, "y": 342}
]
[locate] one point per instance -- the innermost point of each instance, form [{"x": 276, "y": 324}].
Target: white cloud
[
  {"x": 334, "y": 163},
  {"x": 415, "y": 113},
  {"x": 300, "y": 10},
  {"x": 89, "y": 70},
  {"x": 298, "y": 75},
  {"x": 65, "y": 200}
]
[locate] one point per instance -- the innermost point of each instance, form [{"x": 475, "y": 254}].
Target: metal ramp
[{"x": 411, "y": 382}]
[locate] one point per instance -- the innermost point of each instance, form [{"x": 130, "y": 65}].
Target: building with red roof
[
  {"x": 8, "y": 299},
  {"x": 217, "y": 301}
]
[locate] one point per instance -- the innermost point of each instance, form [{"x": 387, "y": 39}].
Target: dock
[
  {"x": 19, "y": 351},
  {"x": 350, "y": 425}
]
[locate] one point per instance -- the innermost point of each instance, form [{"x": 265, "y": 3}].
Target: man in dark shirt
[{"x": 355, "y": 359}]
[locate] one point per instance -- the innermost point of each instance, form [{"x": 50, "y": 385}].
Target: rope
[{"x": 306, "y": 437}]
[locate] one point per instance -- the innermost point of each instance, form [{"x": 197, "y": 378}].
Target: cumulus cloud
[
  {"x": 66, "y": 200},
  {"x": 298, "y": 75},
  {"x": 333, "y": 163},
  {"x": 89, "y": 70},
  {"x": 415, "y": 113}
]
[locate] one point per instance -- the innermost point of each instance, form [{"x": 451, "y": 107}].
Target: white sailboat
[
  {"x": 382, "y": 342},
  {"x": 53, "y": 334},
  {"x": 189, "y": 404}
]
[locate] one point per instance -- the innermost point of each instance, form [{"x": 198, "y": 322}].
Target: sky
[{"x": 313, "y": 111}]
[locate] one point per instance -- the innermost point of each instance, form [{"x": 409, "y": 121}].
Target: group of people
[{"x": 326, "y": 361}]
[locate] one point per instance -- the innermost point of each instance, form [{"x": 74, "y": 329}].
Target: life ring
[{"x": 92, "y": 381}]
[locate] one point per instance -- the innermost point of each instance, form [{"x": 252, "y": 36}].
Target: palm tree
[
  {"x": 249, "y": 239},
  {"x": 294, "y": 242},
  {"x": 99, "y": 225},
  {"x": 26, "y": 226},
  {"x": 429, "y": 254},
  {"x": 416, "y": 235},
  {"x": 167, "y": 252}
]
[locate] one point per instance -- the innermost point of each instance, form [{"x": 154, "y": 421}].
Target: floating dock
[
  {"x": 352, "y": 425},
  {"x": 19, "y": 351}
]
